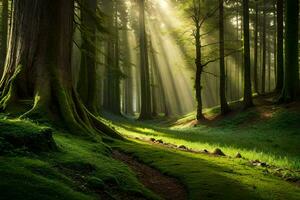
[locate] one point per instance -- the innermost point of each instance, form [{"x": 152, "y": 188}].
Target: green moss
[
  {"x": 209, "y": 177},
  {"x": 73, "y": 172}
]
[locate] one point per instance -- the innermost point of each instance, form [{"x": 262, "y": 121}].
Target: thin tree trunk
[
  {"x": 222, "y": 88},
  {"x": 255, "y": 77},
  {"x": 247, "y": 72},
  {"x": 263, "y": 74},
  {"x": 279, "y": 71}
]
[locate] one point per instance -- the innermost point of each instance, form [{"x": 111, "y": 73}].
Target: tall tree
[
  {"x": 223, "y": 100},
  {"x": 4, "y": 31},
  {"x": 255, "y": 75},
  {"x": 87, "y": 75},
  {"x": 291, "y": 72},
  {"x": 279, "y": 70},
  {"x": 146, "y": 104},
  {"x": 247, "y": 72},
  {"x": 264, "y": 44},
  {"x": 38, "y": 66}
]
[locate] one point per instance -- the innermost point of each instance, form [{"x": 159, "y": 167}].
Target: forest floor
[{"x": 160, "y": 158}]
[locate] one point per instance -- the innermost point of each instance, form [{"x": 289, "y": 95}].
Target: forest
[{"x": 149, "y": 99}]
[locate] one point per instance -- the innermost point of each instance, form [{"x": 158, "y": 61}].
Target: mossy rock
[{"x": 41, "y": 141}]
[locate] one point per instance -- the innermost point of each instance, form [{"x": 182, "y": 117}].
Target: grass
[
  {"x": 273, "y": 139},
  {"x": 84, "y": 169},
  {"x": 209, "y": 177},
  {"x": 80, "y": 169}
]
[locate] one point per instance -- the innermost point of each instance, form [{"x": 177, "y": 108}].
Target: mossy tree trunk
[
  {"x": 291, "y": 73},
  {"x": 38, "y": 66}
]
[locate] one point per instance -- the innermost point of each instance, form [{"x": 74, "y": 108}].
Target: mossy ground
[
  {"x": 80, "y": 169},
  {"x": 84, "y": 169}
]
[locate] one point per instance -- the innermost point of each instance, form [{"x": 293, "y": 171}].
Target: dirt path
[{"x": 166, "y": 187}]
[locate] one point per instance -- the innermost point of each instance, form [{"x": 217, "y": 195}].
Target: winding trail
[{"x": 164, "y": 186}]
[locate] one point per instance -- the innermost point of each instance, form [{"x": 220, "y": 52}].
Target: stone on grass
[
  {"x": 160, "y": 141},
  {"x": 152, "y": 139},
  {"x": 238, "y": 155},
  {"x": 218, "y": 152},
  {"x": 182, "y": 147}
]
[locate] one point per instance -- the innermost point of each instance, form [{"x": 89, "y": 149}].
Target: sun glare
[{"x": 163, "y": 4}]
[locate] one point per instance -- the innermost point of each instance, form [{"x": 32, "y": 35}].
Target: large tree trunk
[
  {"x": 291, "y": 76},
  {"x": 247, "y": 72},
  {"x": 223, "y": 100},
  {"x": 87, "y": 76},
  {"x": 38, "y": 65},
  {"x": 146, "y": 104},
  {"x": 279, "y": 70},
  {"x": 4, "y": 30}
]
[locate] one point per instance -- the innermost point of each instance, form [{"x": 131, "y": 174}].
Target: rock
[
  {"x": 152, "y": 139},
  {"x": 160, "y": 141},
  {"x": 218, "y": 152},
  {"x": 182, "y": 147},
  {"x": 238, "y": 155},
  {"x": 205, "y": 151}
]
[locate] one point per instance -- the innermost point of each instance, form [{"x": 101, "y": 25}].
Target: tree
[
  {"x": 38, "y": 66},
  {"x": 146, "y": 104},
  {"x": 87, "y": 76},
  {"x": 291, "y": 72},
  {"x": 247, "y": 72},
  {"x": 223, "y": 101},
  {"x": 4, "y": 29},
  {"x": 255, "y": 75},
  {"x": 279, "y": 72},
  {"x": 264, "y": 44}
]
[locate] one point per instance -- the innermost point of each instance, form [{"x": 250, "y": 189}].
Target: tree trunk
[
  {"x": 38, "y": 66},
  {"x": 263, "y": 74},
  {"x": 222, "y": 89},
  {"x": 291, "y": 76},
  {"x": 247, "y": 72},
  {"x": 4, "y": 31},
  {"x": 279, "y": 71},
  {"x": 87, "y": 76},
  {"x": 146, "y": 104},
  {"x": 255, "y": 78}
]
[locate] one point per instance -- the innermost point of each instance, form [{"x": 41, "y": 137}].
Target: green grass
[
  {"x": 209, "y": 177},
  {"x": 274, "y": 140},
  {"x": 78, "y": 170}
]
